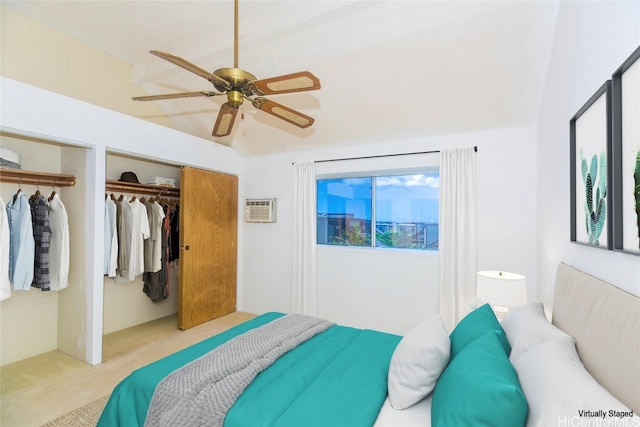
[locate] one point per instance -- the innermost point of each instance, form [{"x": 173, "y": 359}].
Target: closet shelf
[
  {"x": 19, "y": 176},
  {"x": 132, "y": 187}
]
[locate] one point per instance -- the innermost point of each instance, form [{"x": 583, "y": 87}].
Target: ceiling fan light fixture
[
  {"x": 238, "y": 84},
  {"x": 234, "y": 97}
]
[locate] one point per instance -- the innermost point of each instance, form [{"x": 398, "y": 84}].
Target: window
[{"x": 402, "y": 208}]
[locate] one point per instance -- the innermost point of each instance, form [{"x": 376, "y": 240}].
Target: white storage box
[{"x": 9, "y": 158}]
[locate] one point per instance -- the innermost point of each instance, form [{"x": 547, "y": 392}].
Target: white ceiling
[{"x": 389, "y": 69}]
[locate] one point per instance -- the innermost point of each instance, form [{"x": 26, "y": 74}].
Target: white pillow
[
  {"x": 560, "y": 390},
  {"x": 526, "y": 327},
  {"x": 417, "y": 363}
]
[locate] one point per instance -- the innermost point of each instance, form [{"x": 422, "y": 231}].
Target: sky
[{"x": 399, "y": 198}]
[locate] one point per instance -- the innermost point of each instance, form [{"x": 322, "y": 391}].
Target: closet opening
[
  {"x": 195, "y": 278},
  {"x": 45, "y": 310},
  {"x": 141, "y": 265}
]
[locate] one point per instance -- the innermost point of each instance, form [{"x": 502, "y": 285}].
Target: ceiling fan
[{"x": 238, "y": 85}]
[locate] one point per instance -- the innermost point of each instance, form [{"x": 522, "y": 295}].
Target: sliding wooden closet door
[{"x": 208, "y": 246}]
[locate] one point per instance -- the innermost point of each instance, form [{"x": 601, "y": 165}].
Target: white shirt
[
  {"x": 5, "y": 285},
  {"x": 110, "y": 238},
  {"x": 139, "y": 232},
  {"x": 153, "y": 245},
  {"x": 59, "y": 245}
]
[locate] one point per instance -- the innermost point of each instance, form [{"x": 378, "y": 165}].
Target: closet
[
  {"x": 125, "y": 304},
  {"x": 34, "y": 322},
  {"x": 96, "y": 145},
  {"x": 202, "y": 284}
]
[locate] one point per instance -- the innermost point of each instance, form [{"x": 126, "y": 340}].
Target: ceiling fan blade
[
  {"x": 224, "y": 122},
  {"x": 296, "y": 82},
  {"x": 175, "y": 95},
  {"x": 285, "y": 113},
  {"x": 180, "y": 62}
]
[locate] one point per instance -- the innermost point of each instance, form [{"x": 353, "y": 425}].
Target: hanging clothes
[
  {"x": 166, "y": 239},
  {"x": 5, "y": 285},
  {"x": 153, "y": 245},
  {"x": 174, "y": 250},
  {"x": 156, "y": 283},
  {"x": 133, "y": 229},
  {"x": 21, "y": 242},
  {"x": 124, "y": 221},
  {"x": 42, "y": 237},
  {"x": 59, "y": 250},
  {"x": 139, "y": 233},
  {"x": 110, "y": 238}
]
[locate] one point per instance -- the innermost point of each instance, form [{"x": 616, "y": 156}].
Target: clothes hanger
[
  {"x": 121, "y": 197},
  {"x": 15, "y": 196},
  {"x": 53, "y": 194},
  {"x": 36, "y": 194},
  {"x": 113, "y": 197}
]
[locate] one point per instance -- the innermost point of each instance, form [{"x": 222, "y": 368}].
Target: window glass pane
[
  {"x": 406, "y": 211},
  {"x": 344, "y": 211}
]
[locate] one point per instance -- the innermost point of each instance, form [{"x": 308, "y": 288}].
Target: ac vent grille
[{"x": 260, "y": 210}]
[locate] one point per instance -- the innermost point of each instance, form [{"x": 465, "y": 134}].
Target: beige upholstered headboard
[{"x": 605, "y": 321}]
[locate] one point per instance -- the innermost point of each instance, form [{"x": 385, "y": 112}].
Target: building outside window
[{"x": 390, "y": 211}]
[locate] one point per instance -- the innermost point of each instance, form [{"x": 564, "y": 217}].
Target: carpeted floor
[
  {"x": 86, "y": 415},
  {"x": 69, "y": 383}
]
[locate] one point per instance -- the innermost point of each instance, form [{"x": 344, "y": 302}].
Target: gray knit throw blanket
[{"x": 201, "y": 392}]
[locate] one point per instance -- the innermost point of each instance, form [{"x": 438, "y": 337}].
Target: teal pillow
[
  {"x": 479, "y": 388},
  {"x": 474, "y": 325}
]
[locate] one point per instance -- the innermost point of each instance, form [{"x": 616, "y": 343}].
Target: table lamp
[{"x": 502, "y": 290}]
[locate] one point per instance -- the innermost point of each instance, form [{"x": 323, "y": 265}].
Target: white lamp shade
[{"x": 501, "y": 288}]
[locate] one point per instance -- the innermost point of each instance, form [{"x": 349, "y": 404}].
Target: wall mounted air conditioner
[{"x": 260, "y": 210}]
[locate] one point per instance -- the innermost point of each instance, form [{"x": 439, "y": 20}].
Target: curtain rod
[{"x": 475, "y": 148}]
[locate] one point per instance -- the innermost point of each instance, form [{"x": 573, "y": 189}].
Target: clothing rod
[
  {"x": 475, "y": 148},
  {"x": 19, "y": 176},
  {"x": 132, "y": 187}
]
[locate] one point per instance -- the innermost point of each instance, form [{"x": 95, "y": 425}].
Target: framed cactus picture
[
  {"x": 591, "y": 148},
  {"x": 625, "y": 88}
]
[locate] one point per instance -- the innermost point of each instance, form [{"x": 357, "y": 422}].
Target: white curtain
[
  {"x": 304, "y": 293},
  {"x": 457, "y": 238}
]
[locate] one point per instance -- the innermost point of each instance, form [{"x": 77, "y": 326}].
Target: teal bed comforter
[{"x": 337, "y": 378}]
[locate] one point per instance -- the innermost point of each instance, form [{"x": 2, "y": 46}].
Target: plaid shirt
[{"x": 42, "y": 237}]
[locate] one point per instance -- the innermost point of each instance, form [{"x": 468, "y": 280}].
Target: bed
[{"x": 580, "y": 369}]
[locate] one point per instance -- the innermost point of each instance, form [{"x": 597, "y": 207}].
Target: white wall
[
  {"x": 592, "y": 40},
  {"x": 506, "y": 236}
]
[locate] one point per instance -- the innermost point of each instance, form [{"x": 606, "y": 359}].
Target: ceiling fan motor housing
[{"x": 237, "y": 79}]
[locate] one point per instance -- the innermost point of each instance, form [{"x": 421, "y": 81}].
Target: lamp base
[{"x": 500, "y": 312}]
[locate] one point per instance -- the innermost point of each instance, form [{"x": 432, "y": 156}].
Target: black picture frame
[
  {"x": 625, "y": 87},
  {"x": 590, "y": 156}
]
